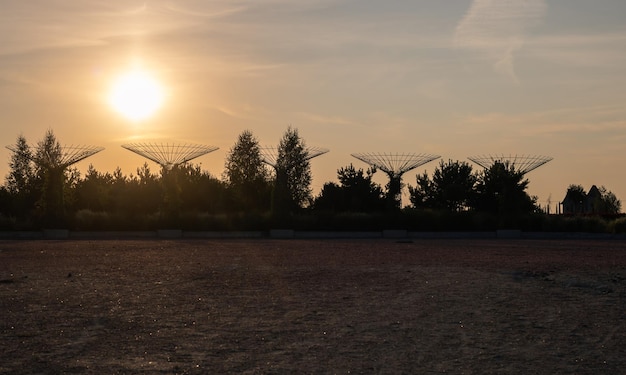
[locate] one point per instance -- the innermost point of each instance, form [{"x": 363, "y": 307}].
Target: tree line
[{"x": 39, "y": 194}]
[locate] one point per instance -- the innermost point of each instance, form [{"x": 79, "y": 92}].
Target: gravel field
[{"x": 313, "y": 307}]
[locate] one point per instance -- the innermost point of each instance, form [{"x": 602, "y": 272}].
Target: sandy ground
[{"x": 313, "y": 307}]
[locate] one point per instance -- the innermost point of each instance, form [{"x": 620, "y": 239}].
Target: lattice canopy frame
[
  {"x": 169, "y": 154},
  {"x": 521, "y": 163},
  {"x": 395, "y": 164},
  {"x": 269, "y": 154},
  {"x": 54, "y": 162},
  {"x": 69, "y": 154}
]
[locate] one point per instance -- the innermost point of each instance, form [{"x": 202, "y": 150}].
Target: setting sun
[{"x": 136, "y": 95}]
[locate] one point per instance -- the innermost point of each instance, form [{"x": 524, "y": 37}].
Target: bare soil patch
[{"x": 312, "y": 307}]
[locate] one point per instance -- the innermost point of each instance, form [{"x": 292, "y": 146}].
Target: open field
[{"x": 313, "y": 306}]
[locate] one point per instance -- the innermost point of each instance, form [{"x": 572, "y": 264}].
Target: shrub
[
  {"x": 618, "y": 225},
  {"x": 96, "y": 220},
  {"x": 7, "y": 223},
  {"x": 90, "y": 220}
]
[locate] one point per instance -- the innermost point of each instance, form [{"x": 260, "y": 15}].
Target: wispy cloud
[
  {"x": 499, "y": 28},
  {"x": 37, "y": 25},
  {"x": 327, "y": 119},
  {"x": 575, "y": 125},
  {"x": 598, "y": 50}
]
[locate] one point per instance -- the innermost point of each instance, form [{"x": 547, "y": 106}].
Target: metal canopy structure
[
  {"x": 282, "y": 195},
  {"x": 169, "y": 154},
  {"x": 521, "y": 163},
  {"x": 69, "y": 154},
  {"x": 395, "y": 164},
  {"x": 269, "y": 154},
  {"x": 54, "y": 160}
]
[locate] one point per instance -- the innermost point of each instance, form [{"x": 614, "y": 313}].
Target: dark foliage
[
  {"x": 452, "y": 188},
  {"x": 356, "y": 192},
  {"x": 292, "y": 186},
  {"x": 246, "y": 176},
  {"x": 40, "y": 192},
  {"x": 501, "y": 189}
]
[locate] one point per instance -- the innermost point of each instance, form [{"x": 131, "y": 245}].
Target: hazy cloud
[
  {"x": 36, "y": 25},
  {"x": 582, "y": 123},
  {"x": 499, "y": 28},
  {"x": 602, "y": 50}
]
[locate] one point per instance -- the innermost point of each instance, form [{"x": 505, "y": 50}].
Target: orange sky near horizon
[{"x": 455, "y": 79}]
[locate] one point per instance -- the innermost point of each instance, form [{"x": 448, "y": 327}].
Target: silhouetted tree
[
  {"x": 21, "y": 183},
  {"x": 356, "y": 192},
  {"x": 171, "y": 179},
  {"x": 246, "y": 175},
  {"x": 21, "y": 172},
  {"x": 49, "y": 168},
  {"x": 423, "y": 194},
  {"x": 149, "y": 190},
  {"x": 612, "y": 204},
  {"x": 71, "y": 181},
  {"x": 360, "y": 192},
  {"x": 502, "y": 189},
  {"x": 142, "y": 194},
  {"x": 394, "y": 192},
  {"x": 119, "y": 198},
  {"x": 201, "y": 191},
  {"x": 607, "y": 203},
  {"x": 94, "y": 190},
  {"x": 330, "y": 198},
  {"x": 6, "y": 204},
  {"x": 452, "y": 187},
  {"x": 292, "y": 188}
]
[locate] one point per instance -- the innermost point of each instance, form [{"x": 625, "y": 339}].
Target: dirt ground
[{"x": 313, "y": 307}]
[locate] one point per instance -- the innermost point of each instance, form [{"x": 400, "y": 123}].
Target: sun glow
[{"x": 136, "y": 95}]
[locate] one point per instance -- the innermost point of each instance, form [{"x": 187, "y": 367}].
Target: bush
[
  {"x": 90, "y": 220},
  {"x": 7, "y": 223},
  {"x": 587, "y": 224},
  {"x": 97, "y": 220},
  {"x": 618, "y": 225},
  {"x": 224, "y": 222},
  {"x": 424, "y": 220}
]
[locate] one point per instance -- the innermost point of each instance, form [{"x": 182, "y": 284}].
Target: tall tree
[
  {"x": 48, "y": 161},
  {"x": 293, "y": 173},
  {"x": 246, "y": 175},
  {"x": 21, "y": 172},
  {"x": 21, "y": 181},
  {"x": 502, "y": 189}
]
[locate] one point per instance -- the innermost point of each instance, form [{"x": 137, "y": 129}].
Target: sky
[{"x": 454, "y": 78}]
